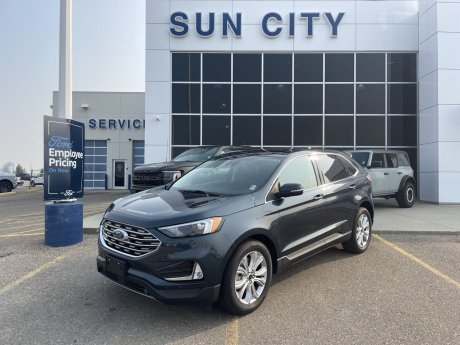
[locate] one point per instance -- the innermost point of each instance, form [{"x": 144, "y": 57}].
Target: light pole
[{"x": 65, "y": 61}]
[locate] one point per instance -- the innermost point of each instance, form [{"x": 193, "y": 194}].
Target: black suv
[
  {"x": 158, "y": 174},
  {"x": 222, "y": 230}
]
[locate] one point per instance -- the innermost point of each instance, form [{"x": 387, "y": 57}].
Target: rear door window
[
  {"x": 331, "y": 167},
  {"x": 392, "y": 161},
  {"x": 351, "y": 169},
  {"x": 403, "y": 159}
]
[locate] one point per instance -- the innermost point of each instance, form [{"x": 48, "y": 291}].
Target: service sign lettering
[{"x": 64, "y": 158}]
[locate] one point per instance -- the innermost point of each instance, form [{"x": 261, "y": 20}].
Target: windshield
[
  {"x": 361, "y": 157},
  {"x": 198, "y": 154},
  {"x": 229, "y": 176}
]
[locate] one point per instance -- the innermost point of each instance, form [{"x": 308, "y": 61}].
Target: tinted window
[
  {"x": 300, "y": 170},
  {"x": 370, "y": 130},
  {"x": 277, "y": 99},
  {"x": 185, "y": 130},
  {"x": 308, "y": 67},
  {"x": 332, "y": 168},
  {"x": 277, "y": 130},
  {"x": 277, "y": 67},
  {"x": 216, "y": 130},
  {"x": 246, "y": 99},
  {"x": 378, "y": 160},
  {"x": 186, "y": 98},
  {"x": 361, "y": 157},
  {"x": 339, "y": 130},
  {"x": 351, "y": 170},
  {"x": 392, "y": 162},
  {"x": 308, "y": 130},
  {"x": 186, "y": 67},
  {"x": 402, "y": 67},
  {"x": 246, "y": 130},
  {"x": 176, "y": 151},
  {"x": 216, "y": 98},
  {"x": 370, "y": 67},
  {"x": 229, "y": 176},
  {"x": 339, "y": 99},
  {"x": 403, "y": 159},
  {"x": 247, "y": 67},
  {"x": 308, "y": 99},
  {"x": 340, "y": 67},
  {"x": 197, "y": 154},
  {"x": 216, "y": 67},
  {"x": 370, "y": 99}
]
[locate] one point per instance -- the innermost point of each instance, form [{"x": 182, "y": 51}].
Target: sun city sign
[{"x": 272, "y": 24}]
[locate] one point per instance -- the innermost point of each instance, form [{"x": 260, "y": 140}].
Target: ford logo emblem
[{"x": 120, "y": 234}]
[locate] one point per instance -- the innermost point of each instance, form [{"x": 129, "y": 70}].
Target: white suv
[
  {"x": 7, "y": 182},
  {"x": 392, "y": 175},
  {"x": 39, "y": 179}
]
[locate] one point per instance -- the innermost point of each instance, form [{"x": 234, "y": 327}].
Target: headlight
[
  {"x": 171, "y": 175},
  {"x": 201, "y": 227}
]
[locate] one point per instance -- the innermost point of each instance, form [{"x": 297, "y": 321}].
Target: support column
[{"x": 65, "y": 61}]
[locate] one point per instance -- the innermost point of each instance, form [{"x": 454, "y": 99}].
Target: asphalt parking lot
[{"x": 404, "y": 290}]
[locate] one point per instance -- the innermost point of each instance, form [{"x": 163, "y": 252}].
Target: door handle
[
  {"x": 318, "y": 196},
  {"x": 386, "y": 173},
  {"x": 399, "y": 172},
  {"x": 353, "y": 186}
]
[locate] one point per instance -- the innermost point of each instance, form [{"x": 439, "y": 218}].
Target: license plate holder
[{"x": 115, "y": 266}]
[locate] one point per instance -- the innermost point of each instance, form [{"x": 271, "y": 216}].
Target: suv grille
[
  {"x": 148, "y": 178},
  {"x": 138, "y": 242}
]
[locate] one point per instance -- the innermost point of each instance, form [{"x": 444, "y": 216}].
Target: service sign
[{"x": 64, "y": 158}]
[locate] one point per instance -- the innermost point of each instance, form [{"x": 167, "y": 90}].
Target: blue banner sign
[{"x": 64, "y": 149}]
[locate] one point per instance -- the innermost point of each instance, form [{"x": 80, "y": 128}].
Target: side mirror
[
  {"x": 376, "y": 164},
  {"x": 290, "y": 189}
]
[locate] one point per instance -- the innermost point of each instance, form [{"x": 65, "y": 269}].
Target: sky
[{"x": 108, "y": 55}]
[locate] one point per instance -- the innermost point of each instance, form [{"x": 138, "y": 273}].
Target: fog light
[{"x": 197, "y": 272}]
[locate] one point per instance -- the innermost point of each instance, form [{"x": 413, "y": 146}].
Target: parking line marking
[
  {"x": 417, "y": 260},
  {"x": 21, "y": 235},
  {"x": 231, "y": 332},
  {"x": 31, "y": 274}
]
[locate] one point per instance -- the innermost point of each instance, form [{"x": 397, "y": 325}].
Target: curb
[
  {"x": 7, "y": 194},
  {"x": 90, "y": 231},
  {"x": 33, "y": 190},
  {"x": 405, "y": 232}
]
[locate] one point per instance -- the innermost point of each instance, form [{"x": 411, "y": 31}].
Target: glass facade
[
  {"x": 336, "y": 100},
  {"x": 138, "y": 153},
  {"x": 95, "y": 164}
]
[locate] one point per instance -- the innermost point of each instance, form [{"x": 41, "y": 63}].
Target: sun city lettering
[{"x": 272, "y": 23}]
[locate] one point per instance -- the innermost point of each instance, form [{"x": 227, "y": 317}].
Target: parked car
[
  {"x": 19, "y": 181},
  {"x": 7, "y": 182},
  {"x": 158, "y": 174},
  {"x": 39, "y": 179},
  {"x": 25, "y": 177},
  {"x": 392, "y": 175},
  {"x": 223, "y": 229}
]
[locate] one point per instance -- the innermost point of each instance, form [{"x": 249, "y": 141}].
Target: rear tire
[
  {"x": 5, "y": 187},
  {"x": 246, "y": 279},
  {"x": 406, "y": 196},
  {"x": 361, "y": 233}
]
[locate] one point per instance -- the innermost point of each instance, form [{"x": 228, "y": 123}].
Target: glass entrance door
[{"x": 119, "y": 174}]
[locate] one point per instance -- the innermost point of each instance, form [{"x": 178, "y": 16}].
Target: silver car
[
  {"x": 7, "y": 182},
  {"x": 392, "y": 175}
]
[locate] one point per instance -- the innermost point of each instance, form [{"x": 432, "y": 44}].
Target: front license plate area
[{"x": 115, "y": 266}]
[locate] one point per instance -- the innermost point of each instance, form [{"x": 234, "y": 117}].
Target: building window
[
  {"x": 95, "y": 164},
  {"x": 280, "y": 100},
  {"x": 138, "y": 153}
]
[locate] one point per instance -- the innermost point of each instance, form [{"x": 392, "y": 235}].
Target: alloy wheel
[
  {"x": 410, "y": 194},
  {"x": 363, "y": 229},
  {"x": 251, "y": 277}
]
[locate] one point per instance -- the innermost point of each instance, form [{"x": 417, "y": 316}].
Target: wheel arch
[
  {"x": 7, "y": 181},
  {"x": 404, "y": 180},
  {"x": 261, "y": 235},
  {"x": 368, "y": 206}
]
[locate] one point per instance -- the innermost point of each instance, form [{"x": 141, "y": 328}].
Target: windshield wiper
[{"x": 197, "y": 191}]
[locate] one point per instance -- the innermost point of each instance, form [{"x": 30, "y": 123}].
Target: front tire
[
  {"x": 406, "y": 196},
  {"x": 5, "y": 187},
  {"x": 246, "y": 279},
  {"x": 361, "y": 233}
]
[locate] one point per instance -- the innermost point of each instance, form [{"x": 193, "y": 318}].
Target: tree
[
  {"x": 8, "y": 167},
  {"x": 19, "y": 170},
  {"x": 42, "y": 171}
]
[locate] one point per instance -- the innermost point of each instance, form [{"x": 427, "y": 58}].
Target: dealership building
[{"x": 324, "y": 74}]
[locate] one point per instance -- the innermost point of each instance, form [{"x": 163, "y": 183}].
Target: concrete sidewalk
[{"x": 422, "y": 218}]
